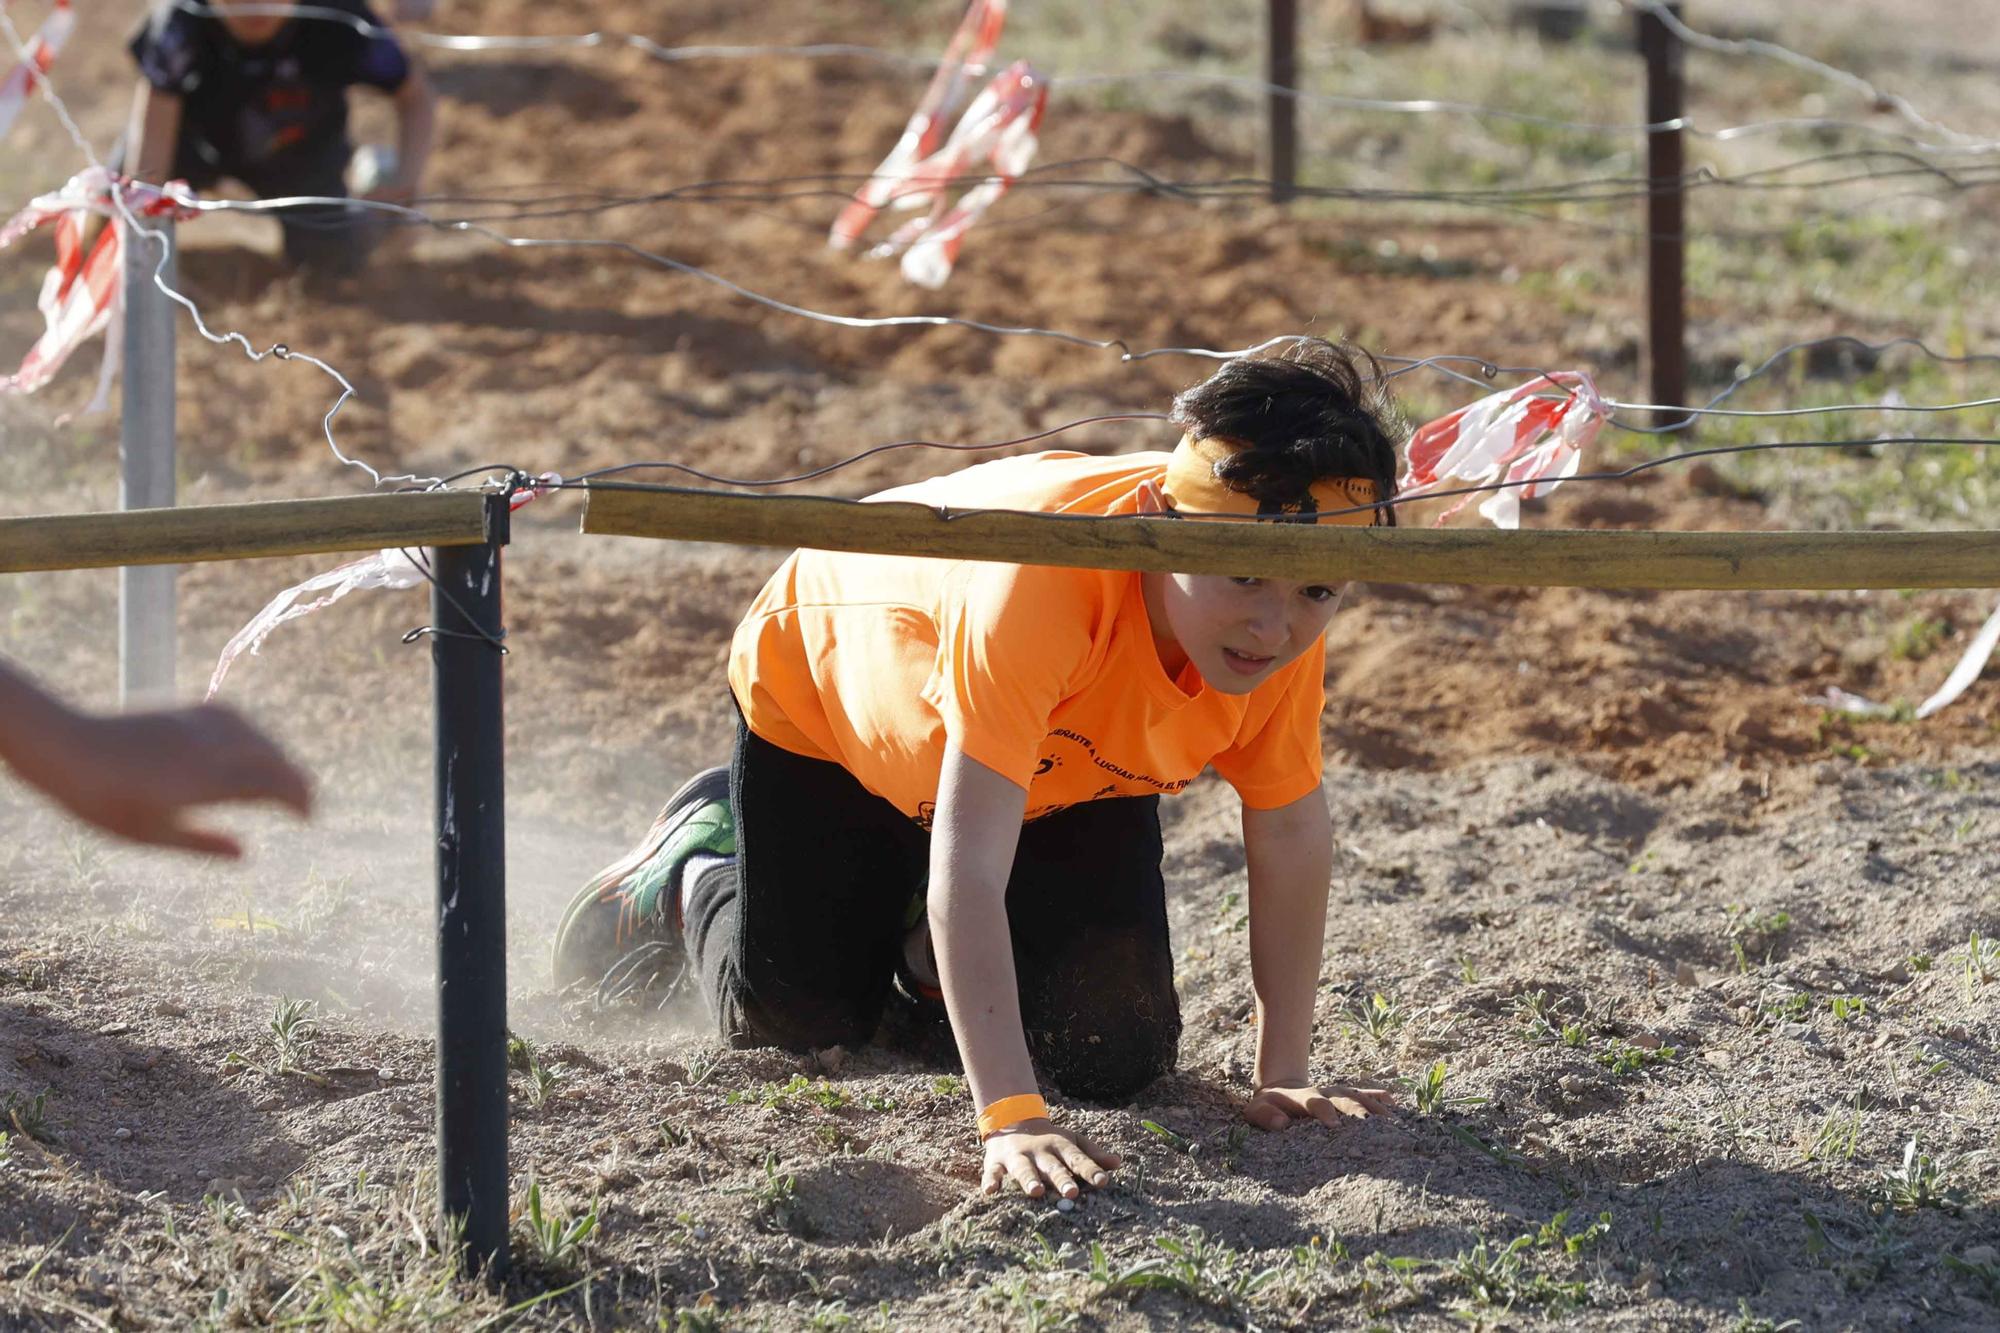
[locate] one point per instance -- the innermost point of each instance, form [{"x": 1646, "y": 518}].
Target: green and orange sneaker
[{"x": 622, "y": 931}]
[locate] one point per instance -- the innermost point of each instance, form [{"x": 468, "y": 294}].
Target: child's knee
[{"x": 1111, "y": 1066}]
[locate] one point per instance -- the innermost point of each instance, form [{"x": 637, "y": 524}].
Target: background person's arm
[
  {"x": 1289, "y": 852},
  {"x": 973, "y": 839},
  {"x": 416, "y": 131},
  {"x": 154, "y": 132}
]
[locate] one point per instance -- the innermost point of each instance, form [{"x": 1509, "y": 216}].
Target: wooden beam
[
  {"x": 1291, "y": 551},
  {"x": 242, "y": 531}
]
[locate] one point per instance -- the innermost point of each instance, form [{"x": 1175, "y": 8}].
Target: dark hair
[{"x": 1316, "y": 410}]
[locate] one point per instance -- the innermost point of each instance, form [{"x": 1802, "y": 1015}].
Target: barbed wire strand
[
  {"x": 603, "y": 477},
  {"x": 602, "y": 39}
]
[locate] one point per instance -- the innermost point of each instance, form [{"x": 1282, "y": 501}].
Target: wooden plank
[
  {"x": 1966, "y": 559},
  {"x": 242, "y": 531}
]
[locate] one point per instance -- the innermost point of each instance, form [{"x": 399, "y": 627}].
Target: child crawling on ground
[
  {"x": 947, "y": 775},
  {"x": 228, "y": 89}
]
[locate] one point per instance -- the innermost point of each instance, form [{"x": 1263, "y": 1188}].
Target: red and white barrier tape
[
  {"x": 999, "y": 128},
  {"x": 42, "y": 50},
  {"x": 1531, "y": 437},
  {"x": 83, "y": 295}
]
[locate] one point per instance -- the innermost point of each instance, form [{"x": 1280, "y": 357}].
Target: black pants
[
  {"x": 324, "y": 238},
  {"x": 798, "y": 946}
]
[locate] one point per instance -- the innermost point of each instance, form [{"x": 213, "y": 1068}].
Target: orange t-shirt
[{"x": 1048, "y": 676}]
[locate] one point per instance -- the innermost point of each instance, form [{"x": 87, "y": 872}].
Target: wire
[
  {"x": 472, "y": 42},
  {"x": 871, "y": 452},
  {"x": 1846, "y": 78},
  {"x": 157, "y": 237},
  {"x": 1607, "y": 475}
]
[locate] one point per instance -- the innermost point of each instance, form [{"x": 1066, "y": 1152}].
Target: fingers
[
  {"x": 1104, "y": 1157},
  {"x": 1261, "y": 1113},
  {"x": 1373, "y": 1101},
  {"x": 1040, "y": 1162},
  {"x": 247, "y": 766},
  {"x": 1080, "y": 1161},
  {"x": 205, "y": 841},
  {"x": 1022, "y": 1171},
  {"x": 1057, "y": 1174}
]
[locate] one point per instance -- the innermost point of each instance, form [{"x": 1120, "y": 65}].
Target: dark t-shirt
[{"x": 253, "y": 107}]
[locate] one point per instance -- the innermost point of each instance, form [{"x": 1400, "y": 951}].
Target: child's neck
[{"x": 1173, "y": 658}]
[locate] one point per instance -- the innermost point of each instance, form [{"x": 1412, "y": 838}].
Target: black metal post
[
  {"x": 1666, "y": 206},
  {"x": 1281, "y": 70},
  {"x": 472, "y": 895}
]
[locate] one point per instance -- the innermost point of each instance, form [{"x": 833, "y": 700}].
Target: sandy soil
[{"x": 1691, "y": 954}]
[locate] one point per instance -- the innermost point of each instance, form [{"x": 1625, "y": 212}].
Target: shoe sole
[{"x": 704, "y": 788}]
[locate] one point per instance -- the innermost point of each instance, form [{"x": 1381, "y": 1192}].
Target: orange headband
[{"x": 1192, "y": 489}]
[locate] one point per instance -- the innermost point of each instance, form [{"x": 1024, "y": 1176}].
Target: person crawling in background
[
  {"x": 945, "y": 789},
  {"x": 228, "y": 90}
]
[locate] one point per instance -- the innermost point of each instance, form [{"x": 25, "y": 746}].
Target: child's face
[
  {"x": 249, "y": 29},
  {"x": 1238, "y": 632}
]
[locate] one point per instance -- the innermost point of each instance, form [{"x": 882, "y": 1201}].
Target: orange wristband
[{"x": 1011, "y": 1111}]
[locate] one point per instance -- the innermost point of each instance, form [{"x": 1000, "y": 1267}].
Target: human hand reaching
[{"x": 141, "y": 776}]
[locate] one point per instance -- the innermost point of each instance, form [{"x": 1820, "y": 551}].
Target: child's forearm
[
  {"x": 151, "y": 137},
  {"x": 416, "y": 129},
  {"x": 1290, "y": 857},
  {"x": 981, "y": 992},
  {"x": 973, "y": 839}
]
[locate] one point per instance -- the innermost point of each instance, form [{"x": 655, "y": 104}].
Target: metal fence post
[
  {"x": 146, "y": 641},
  {"x": 1666, "y": 207},
  {"x": 1281, "y": 70},
  {"x": 466, "y": 632}
]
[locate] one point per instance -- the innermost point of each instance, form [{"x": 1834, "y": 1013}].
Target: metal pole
[
  {"x": 146, "y": 645},
  {"x": 1666, "y": 204},
  {"x": 1281, "y": 70},
  {"x": 472, "y": 896}
]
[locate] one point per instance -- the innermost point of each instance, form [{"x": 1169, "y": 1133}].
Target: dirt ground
[{"x": 1708, "y": 975}]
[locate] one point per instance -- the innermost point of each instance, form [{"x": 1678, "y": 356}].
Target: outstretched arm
[
  {"x": 1289, "y": 851},
  {"x": 141, "y": 775},
  {"x": 152, "y": 135},
  {"x": 416, "y": 131},
  {"x": 977, "y": 828}
]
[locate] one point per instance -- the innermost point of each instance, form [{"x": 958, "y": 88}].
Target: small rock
[
  {"x": 114, "y": 1029},
  {"x": 170, "y": 1009},
  {"x": 1721, "y": 1059},
  {"x": 1980, "y": 1255},
  {"x": 121, "y": 1133},
  {"x": 386, "y": 1075},
  {"x": 831, "y": 1059},
  {"x": 1685, "y": 974},
  {"x": 1881, "y": 1039},
  {"x": 1065, "y": 1205}
]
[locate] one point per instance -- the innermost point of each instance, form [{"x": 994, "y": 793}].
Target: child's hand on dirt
[
  {"x": 1278, "y": 1105},
  {"x": 1035, "y": 1154}
]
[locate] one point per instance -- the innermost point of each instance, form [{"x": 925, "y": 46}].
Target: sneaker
[
  {"x": 917, "y": 969},
  {"x": 624, "y": 925}
]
